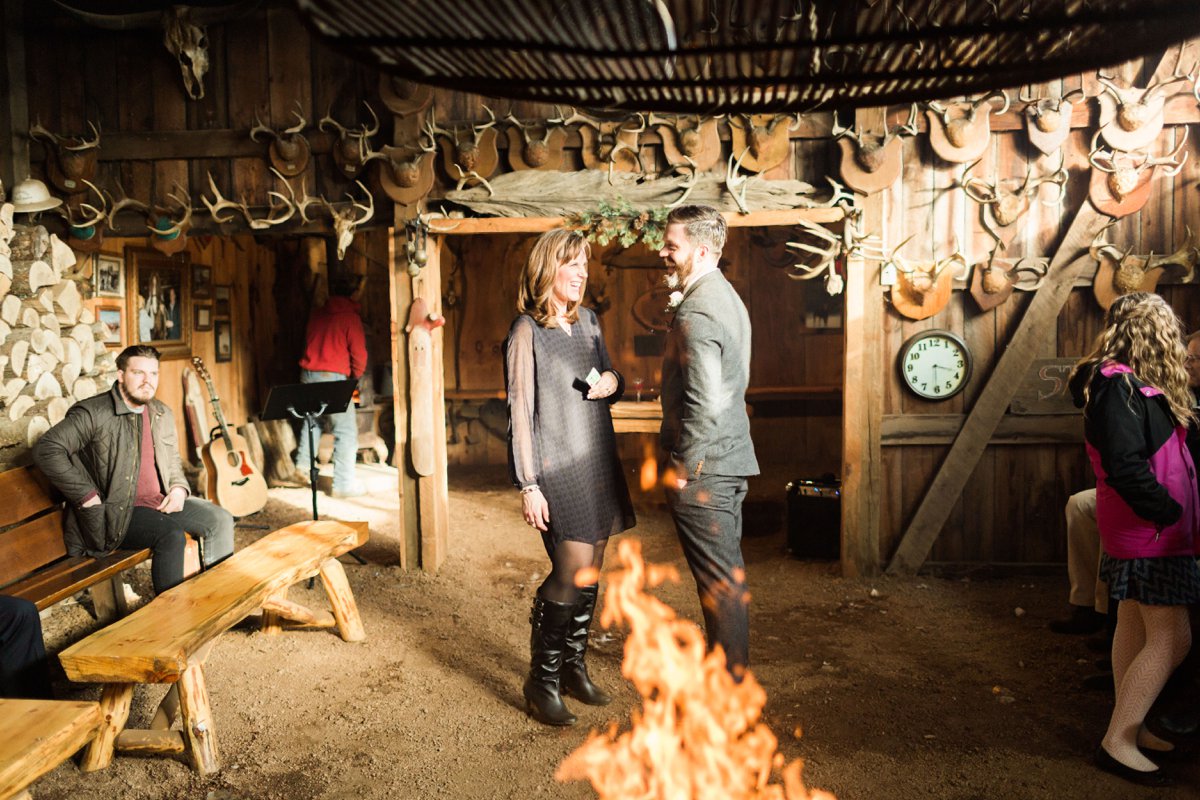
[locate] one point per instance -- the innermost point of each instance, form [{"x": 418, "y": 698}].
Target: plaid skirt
[{"x": 1168, "y": 581}]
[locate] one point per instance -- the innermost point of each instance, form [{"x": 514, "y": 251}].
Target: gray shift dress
[{"x": 559, "y": 439}]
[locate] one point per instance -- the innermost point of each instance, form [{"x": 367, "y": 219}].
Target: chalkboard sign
[{"x": 1044, "y": 388}]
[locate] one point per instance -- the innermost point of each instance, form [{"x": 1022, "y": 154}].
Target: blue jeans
[{"x": 345, "y": 436}]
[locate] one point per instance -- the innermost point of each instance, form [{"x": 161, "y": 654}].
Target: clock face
[{"x": 935, "y": 365}]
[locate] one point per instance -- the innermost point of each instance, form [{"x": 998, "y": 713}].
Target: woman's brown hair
[{"x": 552, "y": 250}]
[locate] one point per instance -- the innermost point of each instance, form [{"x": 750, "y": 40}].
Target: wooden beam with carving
[{"x": 1037, "y": 324}]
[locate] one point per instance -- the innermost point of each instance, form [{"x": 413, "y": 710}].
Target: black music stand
[{"x": 308, "y": 402}]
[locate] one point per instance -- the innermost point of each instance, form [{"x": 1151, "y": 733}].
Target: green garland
[{"x": 621, "y": 221}]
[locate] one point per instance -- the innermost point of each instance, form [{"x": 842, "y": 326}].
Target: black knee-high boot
[
  {"x": 549, "y": 622},
  {"x": 575, "y": 680}
]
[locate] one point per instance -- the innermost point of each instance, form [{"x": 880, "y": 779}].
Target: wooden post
[
  {"x": 271, "y": 619},
  {"x": 14, "y": 108},
  {"x": 862, "y": 395},
  {"x": 115, "y": 700},
  {"x": 402, "y": 297},
  {"x": 341, "y": 599},
  {"x": 1037, "y": 324},
  {"x": 197, "y": 720},
  {"x": 433, "y": 495},
  {"x": 168, "y": 709}
]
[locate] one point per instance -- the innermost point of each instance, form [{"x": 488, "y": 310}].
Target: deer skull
[{"x": 188, "y": 42}]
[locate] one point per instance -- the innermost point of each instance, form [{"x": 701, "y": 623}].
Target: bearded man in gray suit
[{"x": 705, "y": 437}]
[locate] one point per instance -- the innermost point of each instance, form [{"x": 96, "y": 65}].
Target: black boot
[
  {"x": 575, "y": 680},
  {"x": 549, "y": 623}
]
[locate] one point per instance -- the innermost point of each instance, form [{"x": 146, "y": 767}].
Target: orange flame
[
  {"x": 698, "y": 736},
  {"x": 648, "y": 477}
]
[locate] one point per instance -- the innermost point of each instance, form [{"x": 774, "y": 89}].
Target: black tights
[{"x": 566, "y": 559}]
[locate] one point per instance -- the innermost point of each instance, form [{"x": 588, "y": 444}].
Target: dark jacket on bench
[{"x": 97, "y": 448}]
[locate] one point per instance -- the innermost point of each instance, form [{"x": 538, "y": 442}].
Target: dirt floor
[{"x": 924, "y": 687}]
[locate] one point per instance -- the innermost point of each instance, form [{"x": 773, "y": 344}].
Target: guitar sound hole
[{"x": 233, "y": 459}]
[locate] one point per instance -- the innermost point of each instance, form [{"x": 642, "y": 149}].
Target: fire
[
  {"x": 698, "y": 736},
  {"x": 648, "y": 476}
]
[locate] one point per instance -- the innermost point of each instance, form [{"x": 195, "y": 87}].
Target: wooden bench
[
  {"x": 168, "y": 639},
  {"x": 34, "y": 563},
  {"x": 38, "y": 735}
]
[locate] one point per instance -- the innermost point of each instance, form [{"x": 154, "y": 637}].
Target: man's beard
[
  {"x": 677, "y": 279},
  {"x": 134, "y": 402}
]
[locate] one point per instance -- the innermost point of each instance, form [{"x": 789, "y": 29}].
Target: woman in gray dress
[{"x": 563, "y": 458}]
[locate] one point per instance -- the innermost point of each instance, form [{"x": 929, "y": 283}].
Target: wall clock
[{"x": 935, "y": 364}]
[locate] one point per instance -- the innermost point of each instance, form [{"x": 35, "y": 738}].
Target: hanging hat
[
  {"x": 880, "y": 172},
  {"x": 31, "y": 195},
  {"x": 404, "y": 97}
]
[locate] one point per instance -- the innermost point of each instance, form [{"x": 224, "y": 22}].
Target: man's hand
[
  {"x": 92, "y": 501},
  {"x": 535, "y": 509},
  {"x": 173, "y": 501},
  {"x": 604, "y": 387}
]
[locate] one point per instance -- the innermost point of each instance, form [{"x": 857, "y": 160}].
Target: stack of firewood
[{"x": 51, "y": 347}]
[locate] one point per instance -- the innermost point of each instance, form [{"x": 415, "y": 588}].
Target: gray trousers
[{"x": 708, "y": 520}]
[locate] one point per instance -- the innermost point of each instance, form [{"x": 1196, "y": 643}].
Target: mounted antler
[
  {"x": 919, "y": 277},
  {"x": 1047, "y": 112},
  {"x": 605, "y": 140},
  {"x": 1136, "y": 106},
  {"x": 535, "y": 152},
  {"x": 97, "y": 215},
  {"x": 957, "y": 127},
  {"x": 353, "y": 148},
  {"x": 121, "y": 205},
  {"x": 1009, "y": 204},
  {"x": 72, "y": 159},
  {"x": 869, "y": 152},
  {"x": 1125, "y": 169},
  {"x": 735, "y": 183},
  {"x": 289, "y": 149},
  {"x": 180, "y": 218},
  {"x": 281, "y": 208},
  {"x": 345, "y": 221},
  {"x": 405, "y": 162}
]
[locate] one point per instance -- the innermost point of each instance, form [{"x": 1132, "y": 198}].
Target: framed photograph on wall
[
  {"x": 201, "y": 281},
  {"x": 110, "y": 316},
  {"x": 158, "y": 302},
  {"x": 221, "y": 301},
  {"x": 203, "y": 318},
  {"x": 109, "y": 276},
  {"x": 223, "y": 335}
]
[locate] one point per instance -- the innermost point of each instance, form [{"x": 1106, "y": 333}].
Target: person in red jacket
[{"x": 335, "y": 349}]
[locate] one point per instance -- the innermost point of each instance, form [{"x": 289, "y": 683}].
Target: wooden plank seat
[
  {"x": 38, "y": 735},
  {"x": 168, "y": 639},
  {"x": 34, "y": 564}
]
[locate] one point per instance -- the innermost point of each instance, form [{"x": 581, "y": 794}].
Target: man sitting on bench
[
  {"x": 22, "y": 654},
  {"x": 115, "y": 457}
]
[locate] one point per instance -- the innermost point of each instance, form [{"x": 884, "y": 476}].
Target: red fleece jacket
[{"x": 335, "y": 341}]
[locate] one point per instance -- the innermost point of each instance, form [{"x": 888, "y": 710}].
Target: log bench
[
  {"x": 38, "y": 735},
  {"x": 34, "y": 564},
  {"x": 168, "y": 639}
]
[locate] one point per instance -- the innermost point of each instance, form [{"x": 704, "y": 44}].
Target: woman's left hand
[{"x": 604, "y": 387}]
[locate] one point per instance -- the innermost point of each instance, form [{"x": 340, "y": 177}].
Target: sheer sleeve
[{"x": 520, "y": 378}]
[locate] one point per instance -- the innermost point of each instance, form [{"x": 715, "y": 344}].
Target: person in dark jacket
[
  {"x": 335, "y": 349},
  {"x": 1137, "y": 406},
  {"x": 115, "y": 458}
]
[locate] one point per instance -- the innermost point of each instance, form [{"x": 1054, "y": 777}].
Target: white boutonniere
[{"x": 673, "y": 301}]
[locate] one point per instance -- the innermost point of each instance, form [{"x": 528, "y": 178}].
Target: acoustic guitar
[{"x": 234, "y": 483}]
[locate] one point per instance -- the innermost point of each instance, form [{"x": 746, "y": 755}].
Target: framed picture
[
  {"x": 223, "y": 333},
  {"x": 221, "y": 298},
  {"x": 203, "y": 318},
  {"x": 201, "y": 281},
  {"x": 109, "y": 276},
  {"x": 159, "y": 302},
  {"x": 110, "y": 317}
]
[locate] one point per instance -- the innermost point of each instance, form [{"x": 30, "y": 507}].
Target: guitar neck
[{"x": 216, "y": 404}]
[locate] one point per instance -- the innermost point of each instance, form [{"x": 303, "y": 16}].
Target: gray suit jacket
[{"x": 706, "y": 368}]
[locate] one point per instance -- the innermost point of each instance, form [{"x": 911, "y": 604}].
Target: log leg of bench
[
  {"x": 114, "y": 705},
  {"x": 168, "y": 710},
  {"x": 341, "y": 599},
  {"x": 197, "y": 720},
  {"x": 272, "y": 621},
  {"x": 108, "y": 600}
]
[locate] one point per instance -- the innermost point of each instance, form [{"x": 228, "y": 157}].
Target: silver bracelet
[{"x": 533, "y": 487}]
